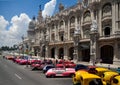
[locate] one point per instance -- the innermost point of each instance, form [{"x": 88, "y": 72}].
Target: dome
[{"x": 32, "y": 24}]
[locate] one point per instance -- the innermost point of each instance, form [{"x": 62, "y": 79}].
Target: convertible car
[
  {"x": 85, "y": 78},
  {"x": 109, "y": 76},
  {"x": 63, "y": 72}
]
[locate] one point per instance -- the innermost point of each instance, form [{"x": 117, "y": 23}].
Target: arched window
[
  {"x": 86, "y": 16},
  {"x": 53, "y": 37},
  {"x": 86, "y": 33},
  {"x": 61, "y": 24},
  {"x": 72, "y": 21},
  {"x": 107, "y": 10}
]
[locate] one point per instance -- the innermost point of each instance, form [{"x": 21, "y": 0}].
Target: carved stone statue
[
  {"x": 94, "y": 26},
  {"x": 77, "y": 30}
]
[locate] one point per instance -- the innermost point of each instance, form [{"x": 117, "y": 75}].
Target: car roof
[
  {"x": 102, "y": 69},
  {"x": 118, "y": 77},
  {"x": 89, "y": 76}
]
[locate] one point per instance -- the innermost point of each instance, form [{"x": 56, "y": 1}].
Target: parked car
[
  {"x": 115, "y": 80},
  {"x": 80, "y": 67},
  {"x": 107, "y": 76},
  {"x": 84, "y": 78},
  {"x": 23, "y": 62},
  {"x": 63, "y": 72},
  {"x": 92, "y": 69},
  {"x": 36, "y": 65},
  {"x": 118, "y": 69},
  {"x": 101, "y": 70},
  {"x": 67, "y": 64},
  {"x": 47, "y": 67}
]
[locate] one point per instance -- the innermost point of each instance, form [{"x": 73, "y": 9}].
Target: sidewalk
[{"x": 101, "y": 65}]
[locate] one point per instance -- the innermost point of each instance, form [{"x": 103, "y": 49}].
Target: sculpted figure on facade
[
  {"x": 94, "y": 26},
  {"x": 77, "y": 30}
]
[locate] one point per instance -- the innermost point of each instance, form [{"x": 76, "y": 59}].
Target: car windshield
[{"x": 96, "y": 82}]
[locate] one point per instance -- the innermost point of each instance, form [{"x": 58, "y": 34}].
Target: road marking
[{"x": 18, "y": 76}]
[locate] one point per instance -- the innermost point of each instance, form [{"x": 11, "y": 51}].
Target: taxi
[
  {"x": 101, "y": 70},
  {"x": 85, "y": 78},
  {"x": 115, "y": 80},
  {"x": 107, "y": 76}
]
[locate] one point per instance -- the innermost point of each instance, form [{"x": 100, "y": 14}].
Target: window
[{"x": 107, "y": 31}]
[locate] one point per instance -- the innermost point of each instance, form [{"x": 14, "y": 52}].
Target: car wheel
[
  {"x": 47, "y": 76},
  {"x": 52, "y": 76},
  {"x": 72, "y": 75}
]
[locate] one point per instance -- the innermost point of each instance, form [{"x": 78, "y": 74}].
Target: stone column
[
  {"x": 56, "y": 53},
  {"x": 113, "y": 16},
  {"x": 116, "y": 16},
  {"x": 93, "y": 42},
  {"x": 76, "y": 43},
  {"x": 115, "y": 51}
]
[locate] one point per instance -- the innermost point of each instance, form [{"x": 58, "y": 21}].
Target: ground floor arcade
[{"x": 108, "y": 51}]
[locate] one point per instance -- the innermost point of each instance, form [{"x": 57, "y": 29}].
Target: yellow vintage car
[
  {"x": 115, "y": 80},
  {"x": 85, "y": 78},
  {"x": 101, "y": 70},
  {"x": 107, "y": 76}
]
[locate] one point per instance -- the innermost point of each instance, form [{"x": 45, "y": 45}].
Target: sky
[{"x": 15, "y": 16}]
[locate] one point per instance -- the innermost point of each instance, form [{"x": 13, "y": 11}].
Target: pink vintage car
[{"x": 63, "y": 72}]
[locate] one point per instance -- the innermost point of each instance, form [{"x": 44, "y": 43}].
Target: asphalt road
[{"x": 14, "y": 74}]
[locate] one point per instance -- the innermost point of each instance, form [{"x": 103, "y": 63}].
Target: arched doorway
[
  {"x": 85, "y": 51},
  {"x": 107, "y": 54},
  {"x": 53, "y": 53},
  {"x": 61, "y": 53},
  {"x": 71, "y": 51}
]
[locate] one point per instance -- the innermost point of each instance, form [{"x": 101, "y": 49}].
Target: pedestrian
[{"x": 108, "y": 66}]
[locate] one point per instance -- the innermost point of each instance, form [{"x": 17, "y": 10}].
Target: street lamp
[
  {"x": 76, "y": 39},
  {"x": 93, "y": 42},
  {"x": 23, "y": 45},
  {"x": 45, "y": 42}
]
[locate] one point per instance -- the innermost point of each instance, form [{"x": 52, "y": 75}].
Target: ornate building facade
[{"x": 54, "y": 36}]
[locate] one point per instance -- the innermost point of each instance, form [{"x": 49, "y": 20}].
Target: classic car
[
  {"x": 115, "y": 80},
  {"x": 107, "y": 76},
  {"x": 84, "y": 78},
  {"x": 118, "y": 69},
  {"x": 63, "y": 72},
  {"x": 47, "y": 67},
  {"x": 23, "y": 62},
  {"x": 36, "y": 65},
  {"x": 80, "y": 67},
  {"x": 101, "y": 70},
  {"x": 67, "y": 64}
]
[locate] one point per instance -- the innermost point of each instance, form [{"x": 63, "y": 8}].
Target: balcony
[
  {"x": 72, "y": 25},
  {"x": 107, "y": 17},
  {"x": 86, "y": 23},
  {"x": 110, "y": 37},
  {"x": 61, "y": 29}
]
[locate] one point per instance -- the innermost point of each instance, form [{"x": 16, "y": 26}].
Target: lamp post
[
  {"x": 76, "y": 39},
  {"x": 23, "y": 45},
  {"x": 46, "y": 40},
  {"x": 93, "y": 42}
]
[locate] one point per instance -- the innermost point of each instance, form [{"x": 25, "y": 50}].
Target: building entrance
[
  {"x": 107, "y": 54},
  {"x": 61, "y": 53},
  {"x": 53, "y": 53},
  {"x": 71, "y": 51}
]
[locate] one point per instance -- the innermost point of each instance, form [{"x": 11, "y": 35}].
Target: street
[{"x": 14, "y": 74}]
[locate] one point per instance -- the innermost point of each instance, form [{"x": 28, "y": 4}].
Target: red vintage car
[
  {"x": 63, "y": 72},
  {"x": 67, "y": 64},
  {"x": 36, "y": 65}
]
